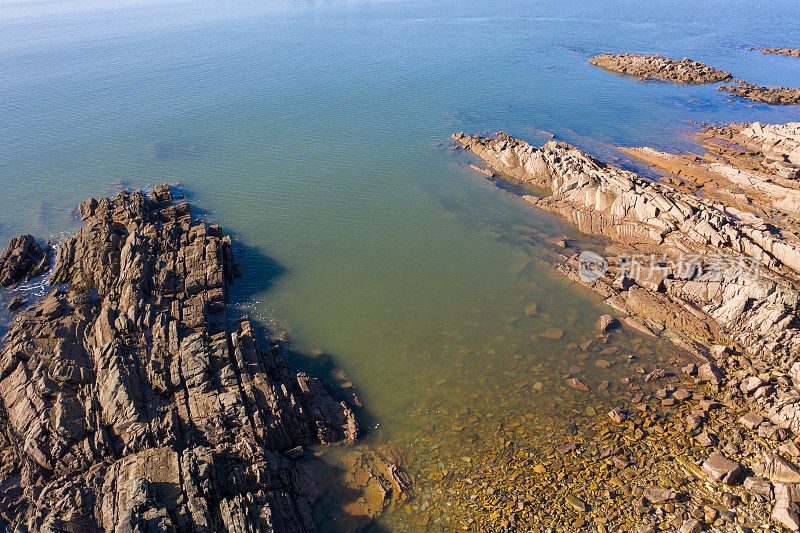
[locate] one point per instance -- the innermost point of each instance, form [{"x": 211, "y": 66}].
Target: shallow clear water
[{"x": 316, "y": 133}]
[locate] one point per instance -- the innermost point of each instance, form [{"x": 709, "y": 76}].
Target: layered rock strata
[
  {"x": 132, "y": 403},
  {"x": 646, "y": 67}
]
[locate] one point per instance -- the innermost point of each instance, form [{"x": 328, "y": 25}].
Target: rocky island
[
  {"x": 646, "y": 67},
  {"x": 791, "y": 52},
  {"x": 130, "y": 399},
  {"x": 735, "y": 414}
]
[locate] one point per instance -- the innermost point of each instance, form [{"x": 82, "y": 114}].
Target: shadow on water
[{"x": 338, "y": 507}]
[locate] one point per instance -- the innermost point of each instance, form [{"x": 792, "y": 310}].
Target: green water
[{"x": 316, "y": 133}]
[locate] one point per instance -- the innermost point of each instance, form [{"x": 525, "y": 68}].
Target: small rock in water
[
  {"x": 617, "y": 415},
  {"x": 605, "y": 323},
  {"x": 577, "y": 384},
  {"x": 681, "y": 395},
  {"x": 658, "y": 373},
  {"x": 691, "y": 526},
  {"x": 721, "y": 468},
  {"x": 575, "y": 502},
  {"x": 16, "y": 303},
  {"x": 566, "y": 448},
  {"x": 552, "y": 333},
  {"x": 751, "y": 420},
  {"x": 659, "y": 494},
  {"x": 532, "y": 309}
]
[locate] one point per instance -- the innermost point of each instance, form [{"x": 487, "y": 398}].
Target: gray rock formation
[{"x": 132, "y": 403}]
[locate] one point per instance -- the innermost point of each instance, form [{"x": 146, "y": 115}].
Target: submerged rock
[{"x": 722, "y": 469}]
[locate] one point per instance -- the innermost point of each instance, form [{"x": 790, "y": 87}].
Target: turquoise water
[{"x": 316, "y": 133}]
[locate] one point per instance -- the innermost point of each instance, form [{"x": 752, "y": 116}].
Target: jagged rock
[
  {"x": 777, "y": 469},
  {"x": 767, "y": 95},
  {"x": 719, "y": 467},
  {"x": 785, "y": 511},
  {"x": 605, "y": 323},
  {"x": 654, "y": 66},
  {"x": 658, "y": 373},
  {"x": 758, "y": 485},
  {"x": 22, "y": 259},
  {"x": 138, "y": 404},
  {"x": 751, "y": 420},
  {"x": 16, "y": 304},
  {"x": 617, "y": 415},
  {"x": 577, "y": 384},
  {"x": 710, "y": 373}
]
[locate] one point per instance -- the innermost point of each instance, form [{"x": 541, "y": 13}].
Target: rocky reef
[
  {"x": 791, "y": 52},
  {"x": 745, "y": 328},
  {"x": 765, "y": 95},
  {"x": 646, "y": 67},
  {"x": 131, "y": 401}
]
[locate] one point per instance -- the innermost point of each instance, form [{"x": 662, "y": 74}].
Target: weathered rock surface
[
  {"x": 647, "y": 67},
  {"x": 791, "y": 52},
  {"x": 23, "y": 259},
  {"x": 134, "y": 404}
]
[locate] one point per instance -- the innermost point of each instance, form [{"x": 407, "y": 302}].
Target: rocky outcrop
[
  {"x": 653, "y": 217},
  {"x": 791, "y": 52},
  {"x": 23, "y": 259},
  {"x": 746, "y": 327},
  {"x": 133, "y": 403},
  {"x": 647, "y": 67},
  {"x": 765, "y": 95},
  {"x": 777, "y": 144}
]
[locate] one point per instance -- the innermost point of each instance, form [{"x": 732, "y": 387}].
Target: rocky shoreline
[
  {"x": 743, "y": 329},
  {"x": 646, "y": 67},
  {"x": 131, "y": 401}
]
